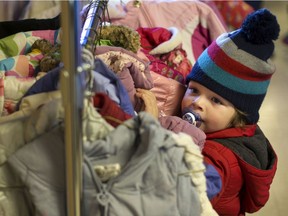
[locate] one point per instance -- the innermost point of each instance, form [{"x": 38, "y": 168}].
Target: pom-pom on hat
[{"x": 237, "y": 66}]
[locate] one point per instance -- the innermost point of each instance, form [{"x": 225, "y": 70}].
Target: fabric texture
[
  {"x": 105, "y": 81},
  {"x": 17, "y": 59},
  {"x": 14, "y": 89},
  {"x": 164, "y": 50},
  {"x": 177, "y": 125},
  {"x": 21, "y": 42},
  {"x": 16, "y": 131},
  {"x": 109, "y": 109},
  {"x": 197, "y": 22},
  {"x": 38, "y": 114},
  {"x": 168, "y": 93},
  {"x": 234, "y": 12},
  {"x": 142, "y": 148},
  {"x": 47, "y": 83},
  {"x": 132, "y": 71},
  {"x": 237, "y": 65}
]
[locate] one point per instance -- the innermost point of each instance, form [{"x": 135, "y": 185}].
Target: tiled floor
[{"x": 274, "y": 116}]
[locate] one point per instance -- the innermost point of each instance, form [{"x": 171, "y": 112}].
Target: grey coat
[{"x": 150, "y": 178}]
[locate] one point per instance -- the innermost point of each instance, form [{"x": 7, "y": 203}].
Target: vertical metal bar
[
  {"x": 72, "y": 88},
  {"x": 72, "y": 94}
]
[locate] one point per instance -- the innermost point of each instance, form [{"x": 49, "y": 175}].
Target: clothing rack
[{"x": 72, "y": 83}]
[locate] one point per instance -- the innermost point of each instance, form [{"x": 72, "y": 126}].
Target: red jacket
[{"x": 246, "y": 163}]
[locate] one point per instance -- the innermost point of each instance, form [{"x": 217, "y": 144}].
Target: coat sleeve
[
  {"x": 176, "y": 124},
  {"x": 213, "y": 181},
  {"x": 223, "y": 160}
]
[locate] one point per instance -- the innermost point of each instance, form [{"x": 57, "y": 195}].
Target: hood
[{"x": 258, "y": 162}]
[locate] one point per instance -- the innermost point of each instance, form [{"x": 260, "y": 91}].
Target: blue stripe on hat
[
  {"x": 248, "y": 103},
  {"x": 226, "y": 79}
]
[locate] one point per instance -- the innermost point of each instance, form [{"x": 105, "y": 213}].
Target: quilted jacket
[{"x": 246, "y": 163}]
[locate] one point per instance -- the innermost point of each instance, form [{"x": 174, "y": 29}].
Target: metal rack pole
[{"x": 72, "y": 94}]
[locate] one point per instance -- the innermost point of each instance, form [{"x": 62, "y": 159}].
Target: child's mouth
[{"x": 192, "y": 117}]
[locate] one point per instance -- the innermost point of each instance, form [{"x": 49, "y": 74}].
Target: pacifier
[{"x": 192, "y": 117}]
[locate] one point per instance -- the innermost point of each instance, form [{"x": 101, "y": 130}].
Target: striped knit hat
[{"x": 237, "y": 66}]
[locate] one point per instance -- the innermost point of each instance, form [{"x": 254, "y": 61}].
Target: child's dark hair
[{"x": 239, "y": 119}]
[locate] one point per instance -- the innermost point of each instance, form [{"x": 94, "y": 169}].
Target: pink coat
[{"x": 198, "y": 24}]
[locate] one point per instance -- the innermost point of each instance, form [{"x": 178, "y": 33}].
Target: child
[{"x": 226, "y": 88}]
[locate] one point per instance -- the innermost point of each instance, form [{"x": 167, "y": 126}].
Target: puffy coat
[{"x": 246, "y": 163}]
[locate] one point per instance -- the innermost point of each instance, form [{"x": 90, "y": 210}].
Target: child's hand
[{"x": 150, "y": 102}]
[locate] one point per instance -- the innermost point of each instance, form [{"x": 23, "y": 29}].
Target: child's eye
[
  {"x": 193, "y": 90},
  {"x": 216, "y": 100}
]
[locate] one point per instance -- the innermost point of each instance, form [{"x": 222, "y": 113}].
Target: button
[{"x": 103, "y": 198}]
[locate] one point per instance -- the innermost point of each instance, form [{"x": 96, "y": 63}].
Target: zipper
[{"x": 103, "y": 199}]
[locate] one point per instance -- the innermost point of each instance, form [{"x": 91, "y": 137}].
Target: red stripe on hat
[{"x": 239, "y": 70}]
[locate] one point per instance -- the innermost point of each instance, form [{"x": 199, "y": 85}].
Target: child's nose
[{"x": 199, "y": 102}]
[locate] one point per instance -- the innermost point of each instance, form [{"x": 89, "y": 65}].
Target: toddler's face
[{"x": 216, "y": 112}]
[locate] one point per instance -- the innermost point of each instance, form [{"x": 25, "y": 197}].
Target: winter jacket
[
  {"x": 105, "y": 81},
  {"x": 159, "y": 173},
  {"x": 197, "y": 22},
  {"x": 246, "y": 163},
  {"x": 38, "y": 114}
]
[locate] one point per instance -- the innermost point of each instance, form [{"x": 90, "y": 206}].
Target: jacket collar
[{"x": 248, "y": 131}]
